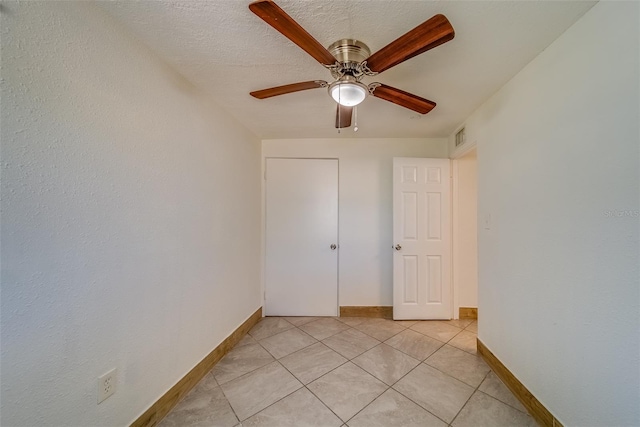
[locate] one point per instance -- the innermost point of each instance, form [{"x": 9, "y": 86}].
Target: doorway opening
[{"x": 465, "y": 234}]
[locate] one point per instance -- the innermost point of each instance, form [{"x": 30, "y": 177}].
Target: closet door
[{"x": 301, "y": 257}]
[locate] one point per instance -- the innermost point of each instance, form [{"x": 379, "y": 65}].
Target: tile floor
[{"x": 310, "y": 371}]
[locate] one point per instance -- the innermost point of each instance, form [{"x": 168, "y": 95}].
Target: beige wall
[
  {"x": 130, "y": 219},
  {"x": 558, "y": 172}
]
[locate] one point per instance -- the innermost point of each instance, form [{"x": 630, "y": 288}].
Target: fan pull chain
[
  {"x": 339, "y": 112},
  {"x": 355, "y": 113}
]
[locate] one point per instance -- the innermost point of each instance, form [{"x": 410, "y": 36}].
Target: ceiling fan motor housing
[{"x": 349, "y": 53}]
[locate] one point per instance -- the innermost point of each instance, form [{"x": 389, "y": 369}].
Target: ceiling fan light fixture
[
  {"x": 348, "y": 93},
  {"x": 349, "y": 60}
]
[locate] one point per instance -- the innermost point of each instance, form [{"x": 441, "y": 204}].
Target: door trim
[
  {"x": 455, "y": 227},
  {"x": 455, "y": 237},
  {"x": 457, "y": 153}
]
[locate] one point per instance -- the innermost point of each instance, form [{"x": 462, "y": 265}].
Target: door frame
[
  {"x": 462, "y": 151},
  {"x": 263, "y": 226}
]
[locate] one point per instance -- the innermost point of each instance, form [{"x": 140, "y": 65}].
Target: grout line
[
  {"x": 367, "y": 373},
  {"x": 370, "y": 403},
  {"x": 325, "y": 405},
  {"x": 445, "y": 342},
  {"x": 421, "y": 360},
  {"x": 474, "y": 392},
  {"x": 285, "y": 368},
  {"x": 475, "y": 354},
  {"x": 232, "y": 410},
  {"x": 246, "y": 373},
  {"x": 274, "y": 334},
  {"x": 364, "y": 333},
  {"x": 321, "y": 401},
  {"x": 449, "y": 375},
  {"x": 253, "y": 370},
  {"x": 476, "y": 388},
  {"x": 350, "y": 359},
  {"x": 331, "y": 370},
  {"x": 300, "y": 349},
  {"x": 218, "y": 385},
  {"x": 347, "y": 361},
  {"x": 305, "y": 385},
  {"x": 405, "y": 328},
  {"x": 499, "y": 400},
  {"x": 282, "y": 398},
  {"x": 504, "y": 403},
  {"x": 228, "y": 403},
  {"x": 402, "y": 394},
  {"x": 274, "y": 358}
]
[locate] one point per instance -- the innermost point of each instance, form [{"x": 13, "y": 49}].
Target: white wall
[
  {"x": 558, "y": 166},
  {"x": 365, "y": 210},
  {"x": 130, "y": 219},
  {"x": 465, "y": 231}
]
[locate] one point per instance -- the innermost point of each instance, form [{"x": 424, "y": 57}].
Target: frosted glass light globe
[{"x": 348, "y": 94}]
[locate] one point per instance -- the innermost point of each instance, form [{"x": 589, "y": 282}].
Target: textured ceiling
[{"x": 227, "y": 51}]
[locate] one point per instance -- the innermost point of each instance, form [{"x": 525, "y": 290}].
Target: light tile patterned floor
[{"x": 321, "y": 371}]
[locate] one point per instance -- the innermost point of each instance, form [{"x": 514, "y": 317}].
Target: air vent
[{"x": 460, "y": 137}]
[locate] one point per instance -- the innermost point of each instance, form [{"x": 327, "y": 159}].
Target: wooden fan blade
[
  {"x": 404, "y": 99},
  {"x": 273, "y": 15},
  {"x": 282, "y": 90},
  {"x": 343, "y": 116},
  {"x": 429, "y": 34}
]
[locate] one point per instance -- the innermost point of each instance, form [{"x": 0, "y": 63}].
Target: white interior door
[
  {"x": 301, "y": 266},
  {"x": 422, "y": 239}
]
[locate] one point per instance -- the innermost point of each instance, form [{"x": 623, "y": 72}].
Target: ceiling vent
[{"x": 460, "y": 137}]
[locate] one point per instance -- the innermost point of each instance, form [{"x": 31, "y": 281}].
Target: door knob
[
  {"x": 333, "y": 246},
  {"x": 398, "y": 247}
]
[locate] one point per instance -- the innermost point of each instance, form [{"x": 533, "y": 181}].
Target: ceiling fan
[{"x": 350, "y": 60}]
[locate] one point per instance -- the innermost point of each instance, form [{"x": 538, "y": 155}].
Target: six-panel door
[{"x": 422, "y": 239}]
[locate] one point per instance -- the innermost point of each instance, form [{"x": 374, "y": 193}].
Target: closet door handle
[
  {"x": 398, "y": 247},
  {"x": 333, "y": 246}
]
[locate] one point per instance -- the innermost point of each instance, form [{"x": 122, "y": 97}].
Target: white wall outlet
[{"x": 107, "y": 384}]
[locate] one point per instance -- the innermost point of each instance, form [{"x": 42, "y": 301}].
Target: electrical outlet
[{"x": 107, "y": 384}]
